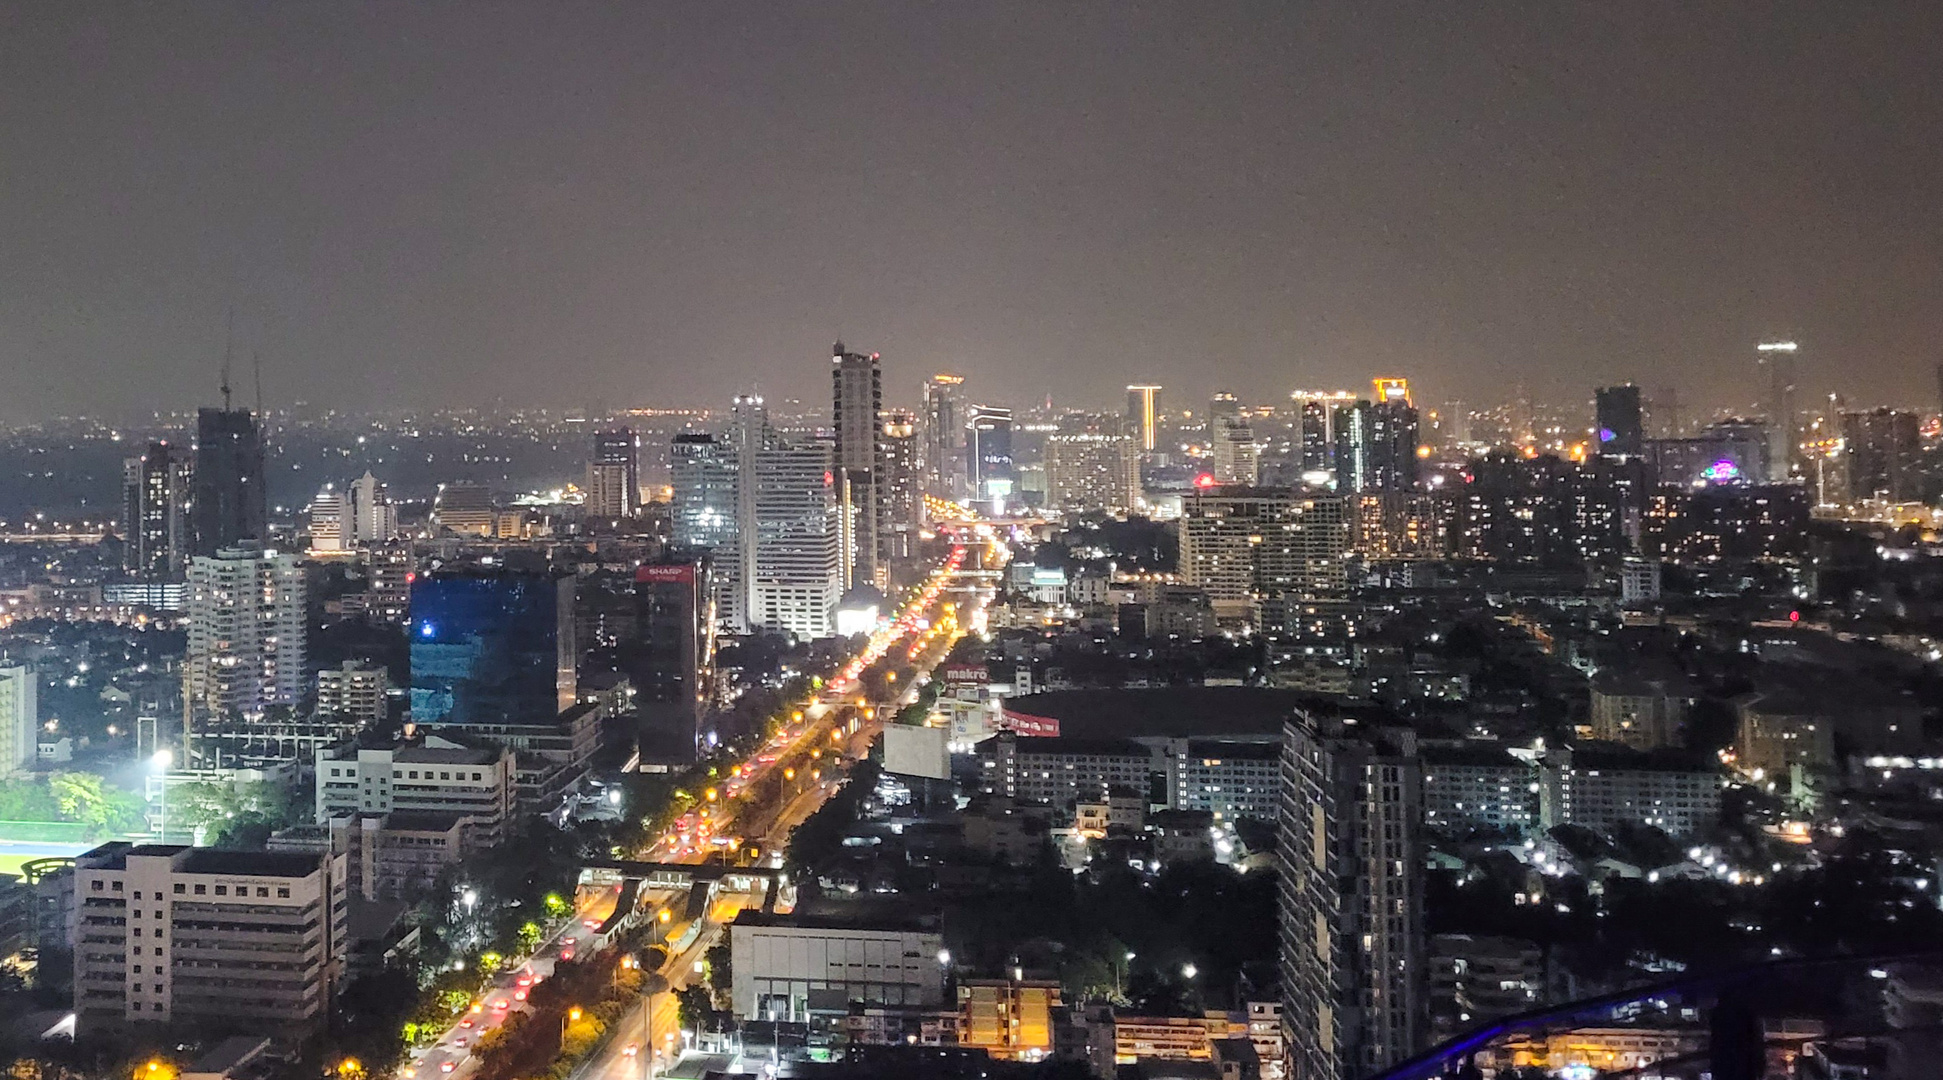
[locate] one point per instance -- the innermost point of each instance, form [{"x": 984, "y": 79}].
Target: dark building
[
  {"x": 1375, "y": 446},
  {"x": 1883, "y": 452},
  {"x": 991, "y": 452},
  {"x": 492, "y": 646},
  {"x": 1619, "y": 424},
  {"x": 230, "y": 495},
  {"x": 155, "y": 511},
  {"x": 614, "y": 475},
  {"x": 1317, "y": 449},
  {"x": 1515, "y": 509},
  {"x": 1727, "y": 451},
  {"x": 1725, "y": 522},
  {"x": 672, "y": 661}
]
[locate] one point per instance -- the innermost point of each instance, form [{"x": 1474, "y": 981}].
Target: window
[
  {"x": 201, "y": 889},
  {"x": 138, "y": 894},
  {"x": 158, "y": 950},
  {"x": 222, "y": 890},
  {"x": 179, "y": 888},
  {"x": 117, "y": 886},
  {"x": 95, "y": 885},
  {"x": 283, "y": 892},
  {"x": 138, "y": 969},
  {"x": 262, "y": 890}
]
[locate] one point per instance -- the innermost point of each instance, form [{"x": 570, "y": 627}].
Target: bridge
[{"x": 699, "y": 886}]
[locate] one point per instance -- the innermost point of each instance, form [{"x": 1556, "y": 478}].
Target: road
[{"x": 451, "y": 1055}]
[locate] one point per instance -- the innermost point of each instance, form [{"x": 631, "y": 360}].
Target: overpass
[{"x": 699, "y": 885}]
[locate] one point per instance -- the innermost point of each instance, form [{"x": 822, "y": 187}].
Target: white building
[
  {"x": 1233, "y": 451},
  {"x": 370, "y": 517},
  {"x": 355, "y": 690},
  {"x": 1602, "y": 790},
  {"x": 431, "y": 775},
  {"x": 246, "y": 631},
  {"x": 250, "y": 940},
  {"x": 1242, "y": 543},
  {"x": 19, "y": 720},
  {"x": 1468, "y": 787},
  {"x": 797, "y": 968},
  {"x": 328, "y": 527},
  {"x": 1091, "y": 471},
  {"x": 795, "y": 563}
]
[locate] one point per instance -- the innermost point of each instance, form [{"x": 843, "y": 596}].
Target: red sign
[
  {"x": 683, "y": 573},
  {"x": 1036, "y": 727}
]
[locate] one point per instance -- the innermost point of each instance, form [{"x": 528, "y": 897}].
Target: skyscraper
[
  {"x": 246, "y": 632},
  {"x": 1780, "y": 361},
  {"x": 1234, "y": 456},
  {"x": 703, "y": 469},
  {"x": 370, "y": 516},
  {"x": 675, "y": 657},
  {"x": 993, "y": 470},
  {"x": 1350, "y": 898},
  {"x": 900, "y": 488},
  {"x": 230, "y": 496},
  {"x": 857, "y": 400},
  {"x": 1376, "y": 446},
  {"x": 613, "y": 475},
  {"x": 1883, "y": 454},
  {"x": 796, "y": 522},
  {"x": 944, "y": 436},
  {"x": 1090, "y": 470},
  {"x": 1242, "y": 544},
  {"x": 1143, "y": 404},
  {"x": 155, "y": 512},
  {"x": 1618, "y": 422},
  {"x": 19, "y": 720},
  {"x": 329, "y": 511}
]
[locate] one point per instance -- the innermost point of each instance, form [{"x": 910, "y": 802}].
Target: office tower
[
  {"x": 1780, "y": 361},
  {"x": 1316, "y": 428},
  {"x": 1882, "y": 450},
  {"x": 155, "y": 512},
  {"x": 703, "y": 512},
  {"x": 993, "y": 472},
  {"x": 857, "y": 401},
  {"x": 355, "y": 691},
  {"x": 945, "y": 473},
  {"x": 1091, "y": 470},
  {"x": 370, "y": 516},
  {"x": 1143, "y": 403},
  {"x": 672, "y": 664},
  {"x": 328, "y": 527},
  {"x": 1618, "y": 422},
  {"x": 1234, "y": 456},
  {"x": 1376, "y": 445},
  {"x": 230, "y": 495},
  {"x": 246, "y": 632},
  {"x": 613, "y": 475},
  {"x": 796, "y": 562},
  {"x": 19, "y": 721},
  {"x": 464, "y": 508},
  {"x": 900, "y": 489},
  {"x": 492, "y": 646},
  {"x": 1350, "y": 898},
  {"x": 250, "y": 941}
]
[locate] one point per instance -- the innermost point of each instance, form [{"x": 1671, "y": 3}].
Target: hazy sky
[{"x": 660, "y": 203}]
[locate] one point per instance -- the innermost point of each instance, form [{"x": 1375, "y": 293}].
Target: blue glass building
[{"x": 492, "y": 646}]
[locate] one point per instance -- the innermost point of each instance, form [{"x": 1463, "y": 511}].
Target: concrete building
[
  {"x": 946, "y": 475},
  {"x": 613, "y": 475},
  {"x": 1478, "y": 787},
  {"x": 157, "y": 537},
  {"x": 19, "y": 720},
  {"x": 1640, "y": 710},
  {"x": 1062, "y": 772},
  {"x": 1604, "y": 788},
  {"x": 355, "y": 691},
  {"x": 249, "y": 940},
  {"x": 1350, "y": 892},
  {"x": 1477, "y": 978},
  {"x": 246, "y": 631},
  {"x": 1088, "y": 471},
  {"x": 430, "y": 775},
  {"x": 1241, "y": 544},
  {"x": 1010, "y": 1019},
  {"x": 230, "y": 497},
  {"x": 1226, "y": 778},
  {"x": 396, "y": 856},
  {"x": 802, "y": 969}
]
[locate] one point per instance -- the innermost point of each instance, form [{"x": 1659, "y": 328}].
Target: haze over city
[{"x": 451, "y": 204}]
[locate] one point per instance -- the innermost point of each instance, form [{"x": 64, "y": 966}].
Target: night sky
[{"x": 659, "y": 203}]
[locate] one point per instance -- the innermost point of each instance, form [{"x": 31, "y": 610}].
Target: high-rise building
[
  {"x": 1376, "y": 446},
  {"x": 246, "y": 632},
  {"x": 673, "y": 662},
  {"x": 857, "y": 402},
  {"x": 1143, "y": 404},
  {"x": 1781, "y": 361},
  {"x": 704, "y": 511},
  {"x": 155, "y": 512},
  {"x": 1316, "y": 439},
  {"x": 328, "y": 524},
  {"x": 945, "y": 471},
  {"x": 1618, "y": 421},
  {"x": 356, "y": 691},
  {"x": 19, "y": 720},
  {"x": 614, "y": 475},
  {"x": 1091, "y": 470},
  {"x": 1242, "y": 544},
  {"x": 1234, "y": 456},
  {"x": 230, "y": 495},
  {"x": 492, "y": 646},
  {"x": 795, "y": 517},
  {"x": 370, "y": 516},
  {"x": 993, "y": 470},
  {"x": 900, "y": 489},
  {"x": 1883, "y": 449},
  {"x": 1222, "y": 406},
  {"x": 253, "y": 941},
  {"x": 1350, "y": 898}
]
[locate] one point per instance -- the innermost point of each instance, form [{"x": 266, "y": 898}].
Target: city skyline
[{"x": 636, "y": 206}]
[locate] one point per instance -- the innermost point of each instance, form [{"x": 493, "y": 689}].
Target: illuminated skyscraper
[
  {"x": 613, "y": 475},
  {"x": 155, "y": 512},
  {"x": 1376, "y": 446},
  {"x": 945, "y": 472},
  {"x": 990, "y": 436},
  {"x": 1143, "y": 403},
  {"x": 900, "y": 487},
  {"x": 1781, "y": 362},
  {"x": 246, "y": 632}
]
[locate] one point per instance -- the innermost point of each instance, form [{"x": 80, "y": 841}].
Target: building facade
[{"x": 246, "y": 648}]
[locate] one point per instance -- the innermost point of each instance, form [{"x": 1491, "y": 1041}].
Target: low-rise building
[
  {"x": 1644, "y": 711},
  {"x": 1010, "y": 1019},
  {"x": 1061, "y": 772},
  {"x": 433, "y": 774},
  {"x": 249, "y": 940},
  {"x": 1477, "y": 978},
  {"x": 802, "y": 969},
  {"x": 1478, "y": 785},
  {"x": 1603, "y": 788}
]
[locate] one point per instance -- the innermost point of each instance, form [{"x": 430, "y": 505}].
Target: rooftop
[{"x": 1169, "y": 711}]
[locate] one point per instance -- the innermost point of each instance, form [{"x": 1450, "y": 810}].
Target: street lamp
[
  {"x": 1188, "y": 971},
  {"x": 160, "y": 763}
]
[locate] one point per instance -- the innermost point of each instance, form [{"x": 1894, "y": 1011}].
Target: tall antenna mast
[{"x": 229, "y": 342}]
